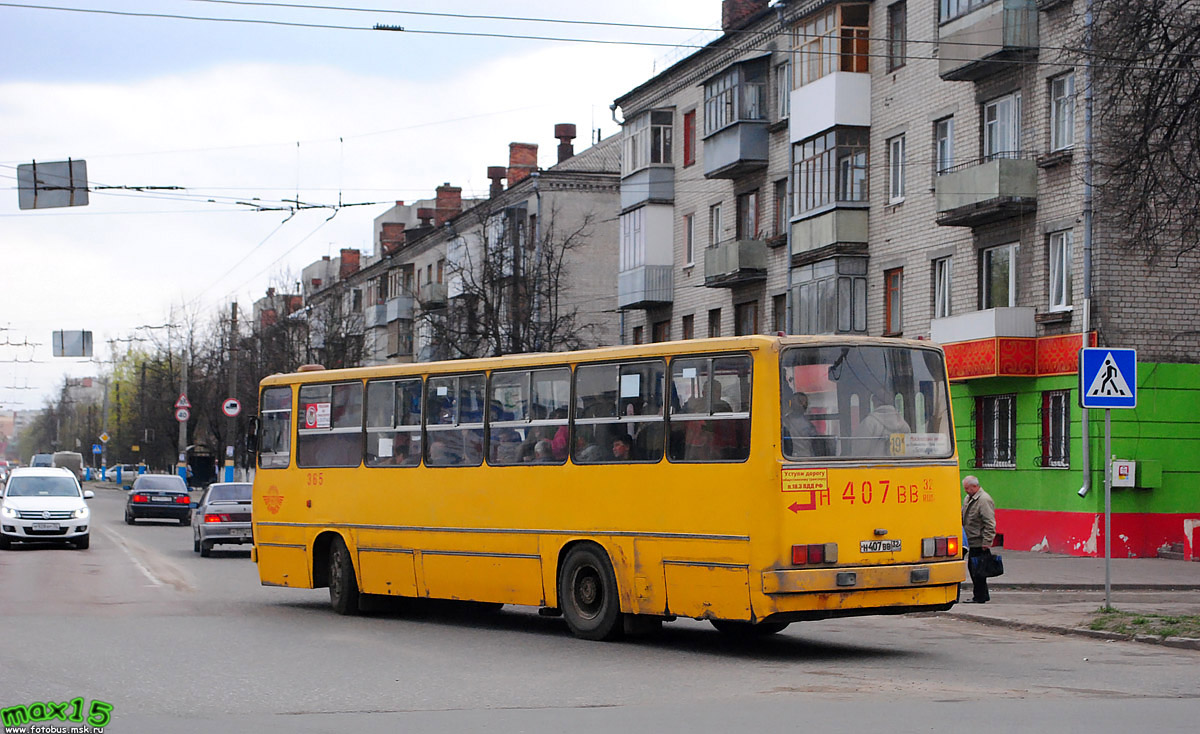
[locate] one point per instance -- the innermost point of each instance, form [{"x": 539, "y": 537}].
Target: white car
[{"x": 44, "y": 504}]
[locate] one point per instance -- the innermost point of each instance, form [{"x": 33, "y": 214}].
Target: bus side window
[
  {"x": 712, "y": 421},
  {"x": 618, "y": 412},
  {"x": 330, "y": 433},
  {"x": 274, "y": 448},
  {"x": 454, "y": 429},
  {"x": 394, "y": 422}
]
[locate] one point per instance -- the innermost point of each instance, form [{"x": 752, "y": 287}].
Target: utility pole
[
  {"x": 233, "y": 367},
  {"x": 183, "y": 424}
]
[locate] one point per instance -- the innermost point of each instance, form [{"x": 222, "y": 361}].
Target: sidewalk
[{"x": 1055, "y": 593}]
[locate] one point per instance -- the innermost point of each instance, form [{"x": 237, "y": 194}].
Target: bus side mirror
[{"x": 252, "y": 429}]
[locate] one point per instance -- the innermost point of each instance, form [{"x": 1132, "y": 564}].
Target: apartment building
[{"x": 915, "y": 169}]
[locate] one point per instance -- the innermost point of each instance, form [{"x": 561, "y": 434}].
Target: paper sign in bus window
[{"x": 316, "y": 415}]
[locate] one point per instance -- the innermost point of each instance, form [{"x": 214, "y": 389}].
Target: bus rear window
[
  {"x": 274, "y": 446},
  {"x": 864, "y": 401}
]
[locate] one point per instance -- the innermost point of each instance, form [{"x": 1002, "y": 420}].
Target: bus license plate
[
  {"x": 879, "y": 546},
  {"x": 45, "y": 526}
]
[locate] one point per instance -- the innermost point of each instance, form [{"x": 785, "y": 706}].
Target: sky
[{"x": 242, "y": 115}]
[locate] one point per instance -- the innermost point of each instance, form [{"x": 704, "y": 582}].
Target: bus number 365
[{"x": 900, "y": 494}]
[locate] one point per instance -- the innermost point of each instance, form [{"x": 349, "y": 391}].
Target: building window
[
  {"x": 896, "y": 170},
  {"x": 737, "y": 94},
  {"x": 637, "y": 335},
  {"x": 781, "y": 207},
  {"x": 942, "y": 275},
  {"x": 714, "y": 322},
  {"x": 714, "y": 224},
  {"x": 996, "y": 431},
  {"x": 893, "y": 281},
  {"x": 648, "y": 140},
  {"x": 1060, "y": 270},
  {"x": 779, "y": 313},
  {"x": 689, "y": 240},
  {"x": 897, "y": 37},
  {"x": 1062, "y": 112},
  {"x": 661, "y": 331},
  {"x": 747, "y": 216},
  {"x": 836, "y": 39},
  {"x": 943, "y": 145},
  {"x": 633, "y": 240},
  {"x": 689, "y": 138},
  {"x": 441, "y": 270},
  {"x": 999, "y": 283},
  {"x": 830, "y": 297},
  {"x": 831, "y": 168},
  {"x": 951, "y": 9},
  {"x": 783, "y": 90},
  {"x": 1002, "y": 127},
  {"x": 1056, "y": 428},
  {"x": 687, "y": 327},
  {"x": 745, "y": 318}
]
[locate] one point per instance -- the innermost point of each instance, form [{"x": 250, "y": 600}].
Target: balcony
[
  {"x": 375, "y": 316},
  {"x": 736, "y": 150},
  {"x": 985, "y": 41},
  {"x": 840, "y": 99},
  {"x": 400, "y": 307},
  {"x": 655, "y": 184},
  {"x": 979, "y": 193},
  {"x": 647, "y": 286},
  {"x": 434, "y": 296},
  {"x": 1016, "y": 321},
  {"x": 735, "y": 263}
]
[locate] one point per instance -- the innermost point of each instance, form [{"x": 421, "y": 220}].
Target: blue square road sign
[{"x": 1107, "y": 378}]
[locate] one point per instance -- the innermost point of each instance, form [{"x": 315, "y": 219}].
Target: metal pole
[
  {"x": 1107, "y": 508},
  {"x": 183, "y": 367},
  {"x": 232, "y": 423}
]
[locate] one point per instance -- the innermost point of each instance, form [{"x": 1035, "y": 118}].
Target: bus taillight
[
  {"x": 803, "y": 555},
  {"x": 940, "y": 547}
]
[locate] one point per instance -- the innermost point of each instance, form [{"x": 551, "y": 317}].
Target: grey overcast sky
[{"x": 238, "y": 112}]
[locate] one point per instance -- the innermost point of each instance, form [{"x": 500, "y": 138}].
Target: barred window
[
  {"x": 996, "y": 431},
  {"x": 1056, "y": 428}
]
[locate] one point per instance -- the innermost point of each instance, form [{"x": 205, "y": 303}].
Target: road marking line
[{"x": 125, "y": 547}]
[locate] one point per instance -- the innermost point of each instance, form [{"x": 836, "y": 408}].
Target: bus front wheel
[
  {"x": 343, "y": 588},
  {"x": 587, "y": 594},
  {"x": 735, "y": 628}
]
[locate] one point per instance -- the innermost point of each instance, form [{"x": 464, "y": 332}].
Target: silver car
[{"x": 222, "y": 516}]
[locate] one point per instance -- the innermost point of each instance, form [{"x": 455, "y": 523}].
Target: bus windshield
[{"x": 865, "y": 401}]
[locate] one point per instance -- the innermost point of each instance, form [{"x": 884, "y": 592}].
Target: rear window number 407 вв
[{"x": 878, "y": 546}]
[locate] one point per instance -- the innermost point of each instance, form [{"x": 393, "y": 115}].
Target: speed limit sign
[
  {"x": 182, "y": 415},
  {"x": 232, "y": 407}
]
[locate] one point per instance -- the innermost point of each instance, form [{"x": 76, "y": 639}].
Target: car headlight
[
  {"x": 82, "y": 512},
  {"x": 8, "y": 511}
]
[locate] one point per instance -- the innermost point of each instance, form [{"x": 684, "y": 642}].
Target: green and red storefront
[{"x": 1038, "y": 505}]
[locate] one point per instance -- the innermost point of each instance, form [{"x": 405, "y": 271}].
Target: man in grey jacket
[{"x": 979, "y": 524}]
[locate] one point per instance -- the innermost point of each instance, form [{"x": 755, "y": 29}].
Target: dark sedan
[
  {"x": 163, "y": 496},
  {"x": 223, "y": 516}
]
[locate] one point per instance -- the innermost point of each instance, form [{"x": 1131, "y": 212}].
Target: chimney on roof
[
  {"x": 735, "y": 13},
  {"x": 399, "y": 203},
  {"x": 350, "y": 261},
  {"x": 271, "y": 292},
  {"x": 565, "y": 132},
  {"x": 522, "y": 161},
  {"x": 449, "y": 203},
  {"x": 391, "y": 237},
  {"x": 496, "y": 174},
  {"x": 426, "y": 215}
]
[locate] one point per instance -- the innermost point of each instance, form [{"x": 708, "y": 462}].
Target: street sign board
[
  {"x": 104, "y": 437},
  {"x": 182, "y": 402},
  {"x": 96, "y": 448},
  {"x": 57, "y": 183},
  {"x": 182, "y": 414},
  {"x": 1107, "y": 378},
  {"x": 231, "y": 407}
]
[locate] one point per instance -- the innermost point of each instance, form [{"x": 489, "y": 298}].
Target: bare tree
[
  {"x": 508, "y": 289},
  {"x": 1146, "y": 70}
]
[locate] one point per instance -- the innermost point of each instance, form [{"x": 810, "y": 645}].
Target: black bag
[{"x": 988, "y": 565}]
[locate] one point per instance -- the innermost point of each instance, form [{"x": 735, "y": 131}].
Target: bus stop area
[{"x": 1060, "y": 594}]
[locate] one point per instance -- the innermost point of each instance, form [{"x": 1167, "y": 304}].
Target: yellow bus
[{"x": 750, "y": 481}]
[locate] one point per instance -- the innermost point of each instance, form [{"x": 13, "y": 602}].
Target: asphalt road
[{"x": 177, "y": 643}]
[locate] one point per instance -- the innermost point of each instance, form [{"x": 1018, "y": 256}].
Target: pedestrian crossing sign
[{"x": 1107, "y": 378}]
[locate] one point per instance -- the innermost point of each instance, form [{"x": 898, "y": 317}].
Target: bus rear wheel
[
  {"x": 588, "y": 596},
  {"x": 343, "y": 587},
  {"x": 735, "y": 628}
]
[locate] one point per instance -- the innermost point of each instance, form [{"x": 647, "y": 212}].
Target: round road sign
[
  {"x": 182, "y": 415},
  {"x": 232, "y": 407}
]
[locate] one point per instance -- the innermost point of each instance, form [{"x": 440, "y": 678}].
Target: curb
[
  {"x": 1183, "y": 643},
  {"x": 1092, "y": 587}
]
